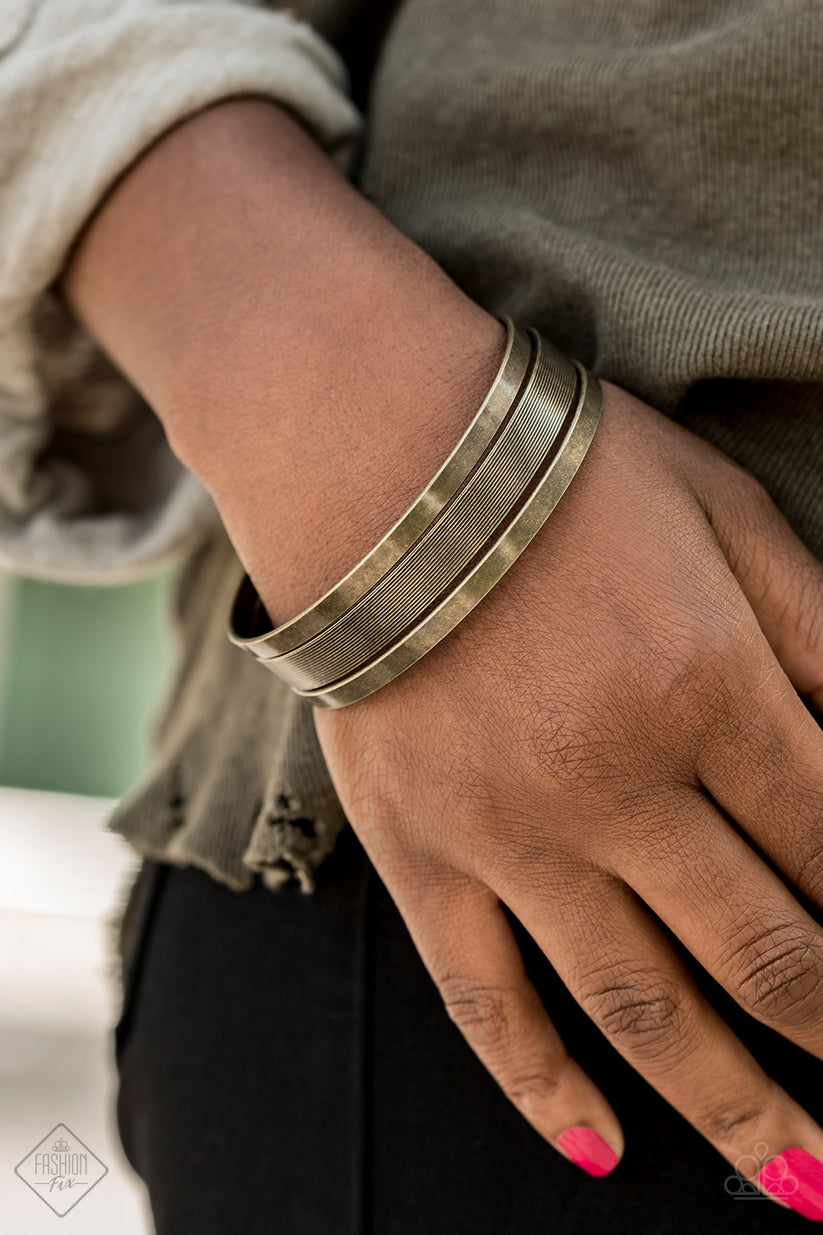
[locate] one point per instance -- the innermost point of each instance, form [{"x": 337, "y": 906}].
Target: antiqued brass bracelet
[
  {"x": 450, "y": 544},
  {"x": 492, "y": 512}
]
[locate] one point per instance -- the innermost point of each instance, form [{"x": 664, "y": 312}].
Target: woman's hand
[{"x": 566, "y": 751}]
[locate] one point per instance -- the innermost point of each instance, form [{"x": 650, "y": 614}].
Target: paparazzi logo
[
  {"x": 61, "y": 1170},
  {"x": 740, "y": 1185}
]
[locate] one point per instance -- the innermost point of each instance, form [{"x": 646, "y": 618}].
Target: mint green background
[{"x": 83, "y": 671}]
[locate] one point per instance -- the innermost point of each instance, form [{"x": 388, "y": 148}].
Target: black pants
[{"x": 287, "y": 1069}]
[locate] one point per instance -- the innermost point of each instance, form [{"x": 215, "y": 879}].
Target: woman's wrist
[{"x": 310, "y": 364}]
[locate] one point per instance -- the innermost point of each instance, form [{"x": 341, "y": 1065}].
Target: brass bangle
[
  {"x": 452, "y": 545},
  {"x": 508, "y": 546},
  {"x": 452, "y": 542},
  {"x": 250, "y": 625}
]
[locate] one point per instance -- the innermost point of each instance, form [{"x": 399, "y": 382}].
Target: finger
[
  {"x": 635, "y": 988},
  {"x": 732, "y": 913},
  {"x": 467, "y": 945},
  {"x": 766, "y": 770},
  {"x": 780, "y": 578}
]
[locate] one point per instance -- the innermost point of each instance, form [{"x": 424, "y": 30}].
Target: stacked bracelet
[{"x": 493, "y": 493}]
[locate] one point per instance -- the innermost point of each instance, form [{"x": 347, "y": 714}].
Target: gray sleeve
[{"x": 89, "y": 490}]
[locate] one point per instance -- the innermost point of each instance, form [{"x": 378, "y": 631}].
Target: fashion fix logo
[{"x": 61, "y": 1169}]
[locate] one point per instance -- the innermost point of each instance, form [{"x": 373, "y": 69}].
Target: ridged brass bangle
[
  {"x": 452, "y": 542},
  {"x": 250, "y": 626},
  {"x": 452, "y": 545},
  {"x": 530, "y": 516}
]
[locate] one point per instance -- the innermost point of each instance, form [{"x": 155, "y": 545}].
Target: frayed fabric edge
[{"x": 289, "y": 841}]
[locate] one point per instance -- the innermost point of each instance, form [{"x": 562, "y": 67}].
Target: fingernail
[
  {"x": 796, "y": 1177},
  {"x": 588, "y": 1150}
]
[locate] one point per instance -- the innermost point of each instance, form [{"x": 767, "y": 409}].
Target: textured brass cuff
[
  {"x": 448, "y": 547},
  {"x": 492, "y": 566},
  {"x": 492, "y": 512}
]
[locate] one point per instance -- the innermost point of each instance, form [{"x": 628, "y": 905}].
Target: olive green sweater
[{"x": 640, "y": 179}]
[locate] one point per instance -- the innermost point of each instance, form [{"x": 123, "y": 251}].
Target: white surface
[{"x": 61, "y": 879}]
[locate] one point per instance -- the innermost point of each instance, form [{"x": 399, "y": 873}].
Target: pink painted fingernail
[
  {"x": 795, "y": 1177},
  {"x": 588, "y": 1150}
]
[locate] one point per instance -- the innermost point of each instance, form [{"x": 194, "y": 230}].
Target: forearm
[{"x": 312, "y": 365}]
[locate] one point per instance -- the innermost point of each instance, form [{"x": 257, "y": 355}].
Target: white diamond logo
[{"x": 61, "y": 1169}]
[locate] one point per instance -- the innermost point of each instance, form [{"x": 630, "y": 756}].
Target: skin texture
[{"x": 567, "y": 749}]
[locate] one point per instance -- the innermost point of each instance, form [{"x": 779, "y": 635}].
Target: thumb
[{"x": 781, "y": 579}]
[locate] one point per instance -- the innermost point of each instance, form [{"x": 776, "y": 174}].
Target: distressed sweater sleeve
[{"x": 89, "y": 489}]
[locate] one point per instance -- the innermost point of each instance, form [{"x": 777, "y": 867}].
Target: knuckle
[
  {"x": 684, "y": 684},
  {"x": 697, "y": 690},
  {"x": 531, "y": 1089},
  {"x": 756, "y": 494},
  {"x": 744, "y": 500},
  {"x": 482, "y": 1013},
  {"x": 642, "y": 1012},
  {"x": 724, "y": 1122},
  {"x": 779, "y": 976},
  {"x": 487, "y": 1017}
]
